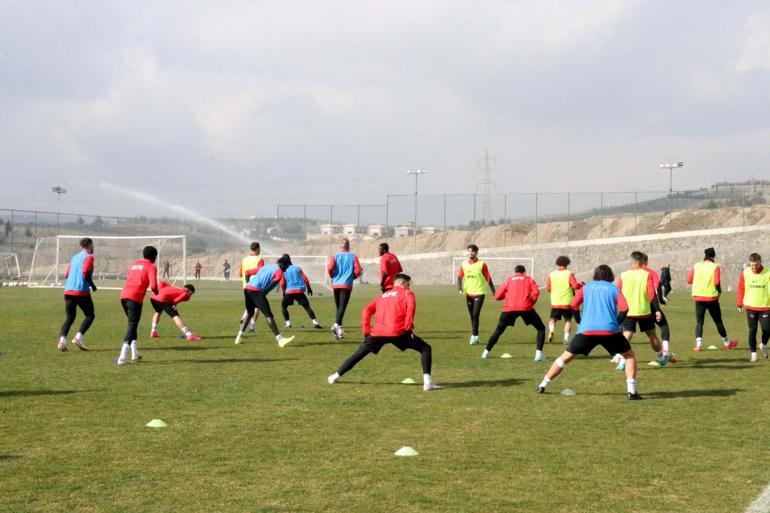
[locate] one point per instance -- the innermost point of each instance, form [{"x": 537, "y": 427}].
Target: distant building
[
  {"x": 404, "y": 230},
  {"x": 376, "y": 231},
  {"x": 331, "y": 229},
  {"x": 349, "y": 229},
  {"x": 428, "y": 230}
]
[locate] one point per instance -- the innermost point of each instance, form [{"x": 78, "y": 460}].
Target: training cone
[
  {"x": 712, "y": 348},
  {"x": 156, "y": 423},
  {"x": 567, "y": 392},
  {"x": 506, "y": 355},
  {"x": 408, "y": 381},
  {"x": 406, "y": 451}
]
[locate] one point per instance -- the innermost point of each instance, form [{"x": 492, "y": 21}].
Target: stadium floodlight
[
  {"x": 670, "y": 166},
  {"x": 59, "y": 191},
  {"x": 416, "y": 173}
]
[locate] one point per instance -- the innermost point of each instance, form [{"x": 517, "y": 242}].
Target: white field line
[{"x": 762, "y": 503}]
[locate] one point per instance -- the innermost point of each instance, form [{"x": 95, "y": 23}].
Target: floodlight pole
[
  {"x": 670, "y": 166},
  {"x": 59, "y": 191},
  {"x": 416, "y": 173}
]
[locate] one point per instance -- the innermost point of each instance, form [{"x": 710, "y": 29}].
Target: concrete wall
[{"x": 681, "y": 250}]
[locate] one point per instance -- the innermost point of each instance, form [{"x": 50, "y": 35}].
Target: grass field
[{"x": 255, "y": 428}]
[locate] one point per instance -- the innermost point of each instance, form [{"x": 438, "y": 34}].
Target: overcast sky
[{"x": 231, "y": 107}]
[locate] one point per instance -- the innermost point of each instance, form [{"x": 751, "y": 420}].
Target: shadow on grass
[
  {"x": 241, "y": 360},
  {"x": 718, "y": 363},
  {"x": 8, "y": 457},
  {"x": 329, "y": 343},
  {"x": 508, "y": 382},
  {"x": 177, "y": 348},
  {"x": 676, "y": 394},
  {"x": 32, "y": 393},
  {"x": 673, "y": 394}
]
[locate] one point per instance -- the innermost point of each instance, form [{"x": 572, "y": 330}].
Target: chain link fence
[{"x": 441, "y": 222}]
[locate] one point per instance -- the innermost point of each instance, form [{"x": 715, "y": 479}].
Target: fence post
[
  {"x": 444, "y": 217},
  {"x": 601, "y": 215},
  {"x": 569, "y": 216},
  {"x": 537, "y": 221},
  {"x": 505, "y": 219},
  {"x": 636, "y": 208},
  {"x": 304, "y": 221},
  {"x": 331, "y": 229},
  {"x": 387, "y": 218},
  {"x": 743, "y": 207},
  {"x": 473, "y": 236},
  {"x": 358, "y": 228},
  {"x": 13, "y": 229}
]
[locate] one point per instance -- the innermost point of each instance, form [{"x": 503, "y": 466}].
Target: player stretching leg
[
  {"x": 638, "y": 288},
  {"x": 562, "y": 285},
  {"x": 166, "y": 300},
  {"x": 604, "y": 308},
  {"x": 77, "y": 294},
  {"x": 294, "y": 283},
  {"x": 393, "y": 324},
  {"x": 520, "y": 293},
  {"x": 257, "y": 289}
]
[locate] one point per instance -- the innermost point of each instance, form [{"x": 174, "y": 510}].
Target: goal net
[
  {"x": 9, "y": 266},
  {"x": 499, "y": 267},
  {"x": 112, "y": 257}
]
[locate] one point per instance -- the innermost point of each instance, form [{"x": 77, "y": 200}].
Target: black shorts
[
  {"x": 299, "y": 297},
  {"x": 558, "y": 314},
  {"x": 613, "y": 344},
  {"x": 169, "y": 308},
  {"x": 530, "y": 318},
  {"x": 402, "y": 342},
  {"x": 259, "y": 301},
  {"x": 644, "y": 323}
]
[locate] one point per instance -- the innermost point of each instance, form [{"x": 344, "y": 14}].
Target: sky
[{"x": 230, "y": 108}]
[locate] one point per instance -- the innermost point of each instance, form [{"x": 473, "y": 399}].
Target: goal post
[
  {"x": 9, "y": 266},
  {"x": 113, "y": 255},
  {"x": 499, "y": 267}
]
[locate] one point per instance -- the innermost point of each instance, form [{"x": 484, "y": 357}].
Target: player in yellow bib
[
  {"x": 249, "y": 267},
  {"x": 472, "y": 280},
  {"x": 562, "y": 285},
  {"x": 706, "y": 289},
  {"x": 754, "y": 296},
  {"x": 638, "y": 287}
]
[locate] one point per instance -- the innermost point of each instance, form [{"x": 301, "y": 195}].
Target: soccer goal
[
  {"x": 10, "y": 266},
  {"x": 112, "y": 257},
  {"x": 499, "y": 267}
]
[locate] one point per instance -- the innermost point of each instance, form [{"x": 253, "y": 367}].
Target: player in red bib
[
  {"x": 389, "y": 267},
  {"x": 520, "y": 293},
  {"x": 166, "y": 300},
  {"x": 141, "y": 275},
  {"x": 394, "y": 322}
]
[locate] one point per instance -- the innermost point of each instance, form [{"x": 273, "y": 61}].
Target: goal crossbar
[
  {"x": 11, "y": 265},
  {"x": 51, "y": 278}
]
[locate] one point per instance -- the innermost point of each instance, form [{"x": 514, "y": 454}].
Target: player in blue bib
[{"x": 77, "y": 294}]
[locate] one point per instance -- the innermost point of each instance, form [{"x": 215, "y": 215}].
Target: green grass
[{"x": 257, "y": 428}]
